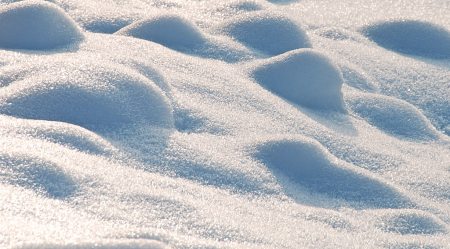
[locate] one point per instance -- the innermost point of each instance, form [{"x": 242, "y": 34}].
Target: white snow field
[{"x": 224, "y": 124}]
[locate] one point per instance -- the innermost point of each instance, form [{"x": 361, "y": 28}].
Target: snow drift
[
  {"x": 111, "y": 98},
  {"x": 36, "y": 25},
  {"x": 270, "y": 33},
  {"x": 411, "y": 37},
  {"x": 304, "y": 77}
]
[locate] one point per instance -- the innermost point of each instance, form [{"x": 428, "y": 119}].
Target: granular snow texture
[{"x": 224, "y": 124}]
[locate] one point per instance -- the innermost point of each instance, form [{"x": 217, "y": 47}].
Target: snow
[
  {"x": 270, "y": 33},
  {"x": 304, "y": 77},
  {"x": 169, "y": 30},
  {"x": 411, "y": 37},
  {"x": 178, "y": 33},
  {"x": 307, "y": 162},
  {"x": 36, "y": 25},
  {"x": 224, "y": 124},
  {"x": 393, "y": 116},
  {"x": 83, "y": 93}
]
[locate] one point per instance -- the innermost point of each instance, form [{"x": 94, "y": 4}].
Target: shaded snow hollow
[{"x": 239, "y": 124}]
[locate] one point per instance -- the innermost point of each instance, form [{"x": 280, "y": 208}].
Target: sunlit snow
[{"x": 224, "y": 124}]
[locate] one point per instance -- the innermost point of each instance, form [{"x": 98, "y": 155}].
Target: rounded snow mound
[
  {"x": 304, "y": 77},
  {"x": 72, "y": 136},
  {"x": 310, "y": 164},
  {"x": 393, "y": 116},
  {"x": 411, "y": 222},
  {"x": 268, "y": 32},
  {"x": 94, "y": 95},
  {"x": 180, "y": 34},
  {"x": 36, "y": 173},
  {"x": 411, "y": 37},
  {"x": 170, "y": 30},
  {"x": 36, "y": 25}
]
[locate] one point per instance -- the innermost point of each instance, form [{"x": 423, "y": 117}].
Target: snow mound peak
[
  {"x": 304, "y": 77},
  {"x": 411, "y": 37},
  {"x": 170, "y": 30},
  {"x": 268, "y": 32},
  {"x": 36, "y": 25}
]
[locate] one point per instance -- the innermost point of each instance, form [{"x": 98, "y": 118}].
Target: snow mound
[
  {"x": 310, "y": 164},
  {"x": 283, "y": 2},
  {"x": 38, "y": 174},
  {"x": 393, "y": 116},
  {"x": 69, "y": 135},
  {"x": 87, "y": 94},
  {"x": 36, "y": 25},
  {"x": 239, "y": 7},
  {"x": 170, "y": 30},
  {"x": 180, "y": 34},
  {"x": 103, "y": 244},
  {"x": 411, "y": 222},
  {"x": 411, "y": 37},
  {"x": 304, "y": 77},
  {"x": 268, "y": 32}
]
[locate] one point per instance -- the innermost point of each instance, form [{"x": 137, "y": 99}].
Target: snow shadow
[
  {"x": 101, "y": 244},
  {"x": 36, "y": 25},
  {"x": 308, "y": 163},
  {"x": 268, "y": 32},
  {"x": 395, "y": 117},
  {"x": 338, "y": 122},
  {"x": 43, "y": 176},
  {"x": 180, "y": 34},
  {"x": 408, "y": 222},
  {"x": 411, "y": 37},
  {"x": 283, "y": 2},
  {"x": 68, "y": 135},
  {"x": 303, "y": 76},
  {"x": 98, "y": 96}
]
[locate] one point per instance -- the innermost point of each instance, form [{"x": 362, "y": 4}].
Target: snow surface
[
  {"x": 44, "y": 25},
  {"x": 224, "y": 124}
]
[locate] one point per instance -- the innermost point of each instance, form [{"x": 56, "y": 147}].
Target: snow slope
[{"x": 231, "y": 124}]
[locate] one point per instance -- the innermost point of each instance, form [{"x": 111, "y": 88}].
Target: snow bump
[
  {"x": 270, "y": 33},
  {"x": 305, "y": 77},
  {"x": 310, "y": 164},
  {"x": 36, "y": 25},
  {"x": 39, "y": 174},
  {"x": 393, "y": 116},
  {"x": 68, "y": 135},
  {"x": 406, "y": 221},
  {"x": 411, "y": 37},
  {"x": 89, "y": 95},
  {"x": 170, "y": 30}
]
